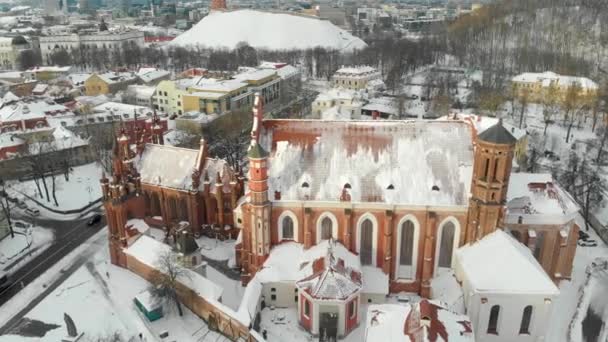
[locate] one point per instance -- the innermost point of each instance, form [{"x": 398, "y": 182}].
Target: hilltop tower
[
  {"x": 491, "y": 170},
  {"x": 218, "y": 5}
]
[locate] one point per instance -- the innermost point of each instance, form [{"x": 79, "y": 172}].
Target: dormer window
[
  {"x": 347, "y": 186},
  {"x": 435, "y": 188},
  {"x": 390, "y": 187},
  {"x": 305, "y": 185}
]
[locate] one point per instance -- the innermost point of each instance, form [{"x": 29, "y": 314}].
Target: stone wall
[{"x": 211, "y": 313}]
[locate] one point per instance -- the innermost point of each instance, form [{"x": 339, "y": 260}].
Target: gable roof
[
  {"x": 383, "y": 161},
  {"x": 500, "y": 264},
  {"x": 497, "y": 134}
]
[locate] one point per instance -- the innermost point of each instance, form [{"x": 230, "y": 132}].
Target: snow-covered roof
[
  {"x": 275, "y": 31},
  {"x": 338, "y": 94},
  {"x": 403, "y": 322},
  {"x": 386, "y": 322},
  {"x": 142, "y": 91},
  {"x": 78, "y": 79},
  {"x": 374, "y": 280},
  {"x": 115, "y": 77},
  {"x": 32, "y": 108},
  {"x": 482, "y": 123},
  {"x": 10, "y": 97},
  {"x": 384, "y": 161},
  {"x": 146, "y": 299},
  {"x": 534, "y": 194},
  {"x": 500, "y": 264},
  {"x": 214, "y": 85},
  {"x": 356, "y": 71},
  {"x": 54, "y": 68},
  {"x": 122, "y": 108},
  {"x": 10, "y": 140},
  {"x": 172, "y": 167},
  {"x": 446, "y": 290},
  {"x": 147, "y": 250},
  {"x": 547, "y": 78},
  {"x": 151, "y": 74},
  {"x": 255, "y": 75},
  {"x": 384, "y": 104}
]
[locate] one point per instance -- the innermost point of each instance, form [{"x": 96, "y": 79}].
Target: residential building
[
  {"x": 355, "y": 78},
  {"x": 152, "y": 76},
  {"x": 113, "y": 40},
  {"x": 108, "y": 83},
  {"x": 337, "y": 103},
  {"x": 46, "y": 73},
  {"x": 10, "y": 50},
  {"x": 141, "y": 95},
  {"x": 549, "y": 85}
]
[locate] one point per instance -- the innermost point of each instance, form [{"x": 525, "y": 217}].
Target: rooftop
[
  {"x": 500, "y": 264},
  {"x": 397, "y": 162}
]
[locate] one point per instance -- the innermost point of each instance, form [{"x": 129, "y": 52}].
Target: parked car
[
  {"x": 94, "y": 220},
  {"x": 19, "y": 224},
  {"x": 21, "y": 204},
  {"x": 5, "y": 281},
  {"x": 32, "y": 211}
]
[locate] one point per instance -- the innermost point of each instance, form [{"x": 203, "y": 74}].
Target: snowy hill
[{"x": 275, "y": 31}]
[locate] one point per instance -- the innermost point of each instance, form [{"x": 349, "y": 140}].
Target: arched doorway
[
  {"x": 154, "y": 205},
  {"x": 287, "y": 228},
  {"x": 182, "y": 210},
  {"x": 327, "y": 227}
]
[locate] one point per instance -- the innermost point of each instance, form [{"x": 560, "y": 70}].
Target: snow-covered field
[
  {"x": 29, "y": 241},
  {"x": 99, "y": 299},
  {"x": 82, "y": 188},
  {"x": 275, "y": 31}
]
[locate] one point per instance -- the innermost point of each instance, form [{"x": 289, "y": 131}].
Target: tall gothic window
[
  {"x": 366, "y": 243},
  {"x": 406, "y": 250},
  {"x": 493, "y": 321},
  {"x": 326, "y": 228},
  {"x": 526, "y": 318},
  {"x": 287, "y": 228},
  {"x": 446, "y": 247}
]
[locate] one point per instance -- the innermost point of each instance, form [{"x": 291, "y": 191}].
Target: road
[{"x": 68, "y": 236}]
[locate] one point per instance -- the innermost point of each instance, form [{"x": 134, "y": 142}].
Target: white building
[
  {"x": 337, "y": 104},
  {"x": 110, "y": 40},
  {"x": 507, "y": 294},
  {"x": 10, "y": 50},
  {"x": 355, "y": 78}
]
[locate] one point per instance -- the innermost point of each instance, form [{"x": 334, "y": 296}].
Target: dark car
[
  {"x": 94, "y": 220},
  {"x": 5, "y": 281}
]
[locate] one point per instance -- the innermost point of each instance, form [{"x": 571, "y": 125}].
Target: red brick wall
[
  {"x": 351, "y": 322},
  {"x": 304, "y": 321}
]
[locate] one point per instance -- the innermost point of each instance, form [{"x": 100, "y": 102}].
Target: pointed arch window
[
  {"x": 493, "y": 321},
  {"x": 526, "y": 318},
  {"x": 287, "y": 228}
]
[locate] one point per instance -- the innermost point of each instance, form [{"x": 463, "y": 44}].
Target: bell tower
[
  {"x": 258, "y": 229},
  {"x": 494, "y": 149}
]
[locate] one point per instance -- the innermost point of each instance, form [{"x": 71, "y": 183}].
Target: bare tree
[
  {"x": 5, "y": 205},
  {"x": 166, "y": 279}
]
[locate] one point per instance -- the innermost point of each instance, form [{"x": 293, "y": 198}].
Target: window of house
[
  {"x": 493, "y": 321},
  {"x": 179, "y": 103},
  {"x": 273, "y": 297},
  {"x": 295, "y": 299},
  {"x": 273, "y": 289},
  {"x": 352, "y": 306},
  {"x": 538, "y": 246},
  {"x": 526, "y": 318}
]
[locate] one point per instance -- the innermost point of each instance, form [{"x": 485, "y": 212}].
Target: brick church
[{"x": 395, "y": 199}]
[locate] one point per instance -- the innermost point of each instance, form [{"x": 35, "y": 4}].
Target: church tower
[
  {"x": 259, "y": 210},
  {"x": 491, "y": 170}
]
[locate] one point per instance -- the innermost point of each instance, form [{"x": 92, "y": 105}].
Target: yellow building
[
  {"x": 539, "y": 87},
  {"x": 219, "y": 96},
  {"x": 46, "y": 73},
  {"x": 108, "y": 83}
]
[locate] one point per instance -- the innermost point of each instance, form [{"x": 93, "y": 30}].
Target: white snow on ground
[
  {"x": 275, "y": 31},
  {"x": 33, "y": 289},
  {"x": 82, "y": 188},
  {"x": 99, "y": 298},
  {"x": 566, "y": 303},
  {"x": 217, "y": 250},
  {"x": 27, "y": 243}
]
